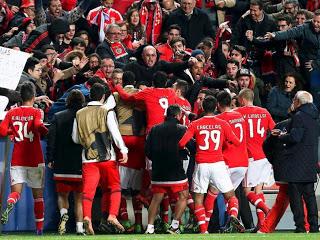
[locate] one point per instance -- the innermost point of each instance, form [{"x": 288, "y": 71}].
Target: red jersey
[
  {"x": 211, "y": 133},
  {"x": 156, "y": 101},
  {"x": 25, "y": 124},
  {"x": 258, "y": 121},
  {"x": 235, "y": 156},
  {"x": 186, "y": 106}
]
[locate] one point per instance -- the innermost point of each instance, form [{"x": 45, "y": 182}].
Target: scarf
[
  {"x": 157, "y": 21},
  {"x": 118, "y": 50},
  {"x": 312, "y": 5},
  {"x": 101, "y": 17}
]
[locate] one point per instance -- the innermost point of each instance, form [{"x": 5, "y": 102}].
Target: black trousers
[{"x": 306, "y": 190}]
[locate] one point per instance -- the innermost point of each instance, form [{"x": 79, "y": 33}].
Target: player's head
[
  {"x": 159, "y": 79},
  {"x": 99, "y": 92},
  {"x": 174, "y": 111},
  {"x": 181, "y": 88},
  {"x": 209, "y": 104},
  {"x": 224, "y": 100},
  {"x": 27, "y": 91},
  {"x": 128, "y": 78},
  {"x": 75, "y": 100},
  {"x": 245, "y": 97}
]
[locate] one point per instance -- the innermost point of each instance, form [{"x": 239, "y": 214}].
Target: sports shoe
[
  {"x": 6, "y": 213},
  {"x": 138, "y": 228},
  {"x": 237, "y": 224},
  {"x": 87, "y": 225},
  {"x": 62, "y": 224},
  {"x": 191, "y": 224},
  {"x": 39, "y": 232},
  {"x": 126, "y": 224},
  {"x": 115, "y": 223},
  {"x": 172, "y": 230}
]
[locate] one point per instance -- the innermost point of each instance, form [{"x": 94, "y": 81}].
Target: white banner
[{"x": 11, "y": 66}]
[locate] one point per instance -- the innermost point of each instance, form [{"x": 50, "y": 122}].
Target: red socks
[
  {"x": 13, "y": 197},
  {"x": 258, "y": 201},
  {"x": 137, "y": 208},
  {"x": 190, "y": 204},
  {"x": 233, "y": 206},
  {"x": 114, "y": 204},
  {"x": 39, "y": 213},
  {"x": 165, "y": 209},
  {"x": 209, "y": 205},
  {"x": 200, "y": 214},
  {"x": 87, "y": 206},
  {"x": 123, "y": 210},
  {"x": 277, "y": 210}
]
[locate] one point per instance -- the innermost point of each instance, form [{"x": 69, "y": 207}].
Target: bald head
[{"x": 149, "y": 56}]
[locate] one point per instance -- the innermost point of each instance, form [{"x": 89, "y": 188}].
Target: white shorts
[
  {"x": 32, "y": 176},
  {"x": 215, "y": 174},
  {"x": 237, "y": 174},
  {"x": 259, "y": 172},
  {"x": 130, "y": 178}
]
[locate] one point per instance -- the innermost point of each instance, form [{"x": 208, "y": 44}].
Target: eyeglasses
[{"x": 114, "y": 33}]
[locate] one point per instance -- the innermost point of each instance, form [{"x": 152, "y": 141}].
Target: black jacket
[
  {"x": 61, "y": 150},
  {"x": 301, "y": 152},
  {"x": 308, "y": 40},
  {"x": 193, "y": 30},
  {"x": 246, "y": 23},
  {"x": 145, "y": 74},
  {"x": 163, "y": 150},
  {"x": 275, "y": 152},
  {"x": 104, "y": 51}
]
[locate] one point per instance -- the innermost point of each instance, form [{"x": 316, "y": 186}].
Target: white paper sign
[{"x": 11, "y": 66}]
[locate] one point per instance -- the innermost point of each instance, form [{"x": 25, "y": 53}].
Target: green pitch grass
[{"x": 250, "y": 236}]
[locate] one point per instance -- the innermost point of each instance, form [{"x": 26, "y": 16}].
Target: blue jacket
[
  {"x": 278, "y": 103},
  {"x": 60, "y": 104}
]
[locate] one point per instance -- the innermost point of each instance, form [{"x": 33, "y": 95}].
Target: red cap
[
  {"x": 68, "y": 5},
  {"x": 27, "y": 3}
]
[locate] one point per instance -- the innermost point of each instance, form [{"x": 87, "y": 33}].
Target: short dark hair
[
  {"x": 128, "y": 78},
  {"x": 317, "y": 12},
  {"x": 182, "y": 86},
  {"x": 207, "y": 92},
  {"x": 224, "y": 99},
  {"x": 44, "y": 48},
  {"x": 97, "y": 91},
  {"x": 30, "y": 64},
  {"x": 240, "y": 49},
  {"x": 78, "y": 41},
  {"x": 257, "y": 3},
  {"x": 235, "y": 62},
  {"x": 173, "y": 111},
  {"x": 209, "y": 104},
  {"x": 178, "y": 39},
  {"x": 93, "y": 80},
  {"x": 159, "y": 79},
  {"x": 174, "y": 26},
  {"x": 285, "y": 17},
  {"x": 27, "y": 91},
  {"x": 75, "y": 100}
]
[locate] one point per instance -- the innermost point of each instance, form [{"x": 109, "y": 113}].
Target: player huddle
[{"x": 226, "y": 144}]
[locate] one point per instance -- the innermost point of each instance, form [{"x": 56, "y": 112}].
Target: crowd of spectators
[{"x": 269, "y": 46}]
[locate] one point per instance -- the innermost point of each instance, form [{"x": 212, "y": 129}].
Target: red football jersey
[
  {"x": 156, "y": 100},
  {"x": 25, "y": 125},
  {"x": 186, "y": 106},
  {"x": 235, "y": 156},
  {"x": 258, "y": 121},
  {"x": 211, "y": 133}
]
